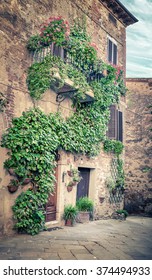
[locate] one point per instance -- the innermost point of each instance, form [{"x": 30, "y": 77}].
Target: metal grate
[
  {"x": 114, "y": 170},
  {"x": 117, "y": 195}
]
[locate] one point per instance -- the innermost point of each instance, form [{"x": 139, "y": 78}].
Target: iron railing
[{"x": 92, "y": 72}]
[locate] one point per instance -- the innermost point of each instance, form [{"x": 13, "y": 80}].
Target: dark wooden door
[
  {"x": 83, "y": 186},
  {"x": 50, "y": 207}
]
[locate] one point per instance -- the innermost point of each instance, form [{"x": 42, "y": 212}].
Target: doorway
[
  {"x": 50, "y": 207},
  {"x": 83, "y": 185}
]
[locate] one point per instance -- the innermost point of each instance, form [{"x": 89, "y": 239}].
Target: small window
[
  {"x": 112, "y": 19},
  {"x": 112, "y": 52},
  {"x": 115, "y": 126}
]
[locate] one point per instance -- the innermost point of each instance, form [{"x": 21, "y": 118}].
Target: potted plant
[
  {"x": 85, "y": 207},
  {"x": 13, "y": 186},
  {"x": 111, "y": 185},
  {"x": 70, "y": 186},
  {"x": 70, "y": 213},
  {"x": 75, "y": 173},
  {"x": 120, "y": 214},
  {"x": 76, "y": 176}
]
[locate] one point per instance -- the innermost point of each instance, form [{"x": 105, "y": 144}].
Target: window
[
  {"x": 115, "y": 126},
  {"x": 112, "y": 19},
  {"x": 112, "y": 52}
]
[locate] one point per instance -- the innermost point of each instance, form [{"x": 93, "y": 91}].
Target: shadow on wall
[{"x": 137, "y": 203}]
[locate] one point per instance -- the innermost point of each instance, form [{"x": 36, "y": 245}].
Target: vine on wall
[{"x": 35, "y": 137}]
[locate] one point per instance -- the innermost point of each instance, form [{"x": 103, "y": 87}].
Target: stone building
[
  {"x": 138, "y": 198},
  {"x": 106, "y": 22}
]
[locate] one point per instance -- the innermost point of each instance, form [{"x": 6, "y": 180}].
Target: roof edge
[
  {"x": 127, "y": 11},
  {"x": 120, "y": 11}
]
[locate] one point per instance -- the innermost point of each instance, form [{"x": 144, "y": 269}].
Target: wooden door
[
  {"x": 83, "y": 185},
  {"x": 50, "y": 207}
]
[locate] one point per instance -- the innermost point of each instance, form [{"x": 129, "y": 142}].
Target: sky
[{"x": 139, "y": 39}]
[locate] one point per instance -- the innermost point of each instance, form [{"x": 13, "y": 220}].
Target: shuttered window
[
  {"x": 120, "y": 127},
  {"x": 112, "y": 131},
  {"x": 115, "y": 126},
  {"x": 112, "y": 52}
]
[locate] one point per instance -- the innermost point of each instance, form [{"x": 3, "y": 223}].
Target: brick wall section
[
  {"x": 138, "y": 146},
  {"x": 19, "y": 20}
]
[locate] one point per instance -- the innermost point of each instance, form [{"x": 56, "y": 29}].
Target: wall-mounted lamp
[{"x": 63, "y": 175}]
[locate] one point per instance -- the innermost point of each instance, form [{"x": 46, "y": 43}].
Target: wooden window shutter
[
  {"x": 120, "y": 126},
  {"x": 109, "y": 50},
  {"x": 114, "y": 54},
  {"x": 112, "y": 126}
]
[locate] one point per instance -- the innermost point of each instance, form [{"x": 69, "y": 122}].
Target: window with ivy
[
  {"x": 112, "y": 52},
  {"x": 115, "y": 126}
]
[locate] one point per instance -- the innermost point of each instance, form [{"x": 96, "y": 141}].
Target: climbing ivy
[
  {"x": 35, "y": 137},
  {"x": 32, "y": 142},
  {"x": 113, "y": 146}
]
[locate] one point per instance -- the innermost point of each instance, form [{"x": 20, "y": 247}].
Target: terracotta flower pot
[
  {"x": 69, "y": 223},
  {"x": 69, "y": 188},
  {"x": 26, "y": 181},
  {"x": 83, "y": 217},
  {"x": 70, "y": 173},
  {"x": 12, "y": 188}
]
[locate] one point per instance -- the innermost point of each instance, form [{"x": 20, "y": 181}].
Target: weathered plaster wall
[
  {"x": 138, "y": 146},
  {"x": 19, "y": 20}
]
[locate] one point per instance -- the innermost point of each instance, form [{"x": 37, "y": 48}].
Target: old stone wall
[
  {"x": 19, "y": 20},
  {"x": 138, "y": 198}
]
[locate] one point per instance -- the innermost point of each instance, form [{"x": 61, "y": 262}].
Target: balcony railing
[{"x": 92, "y": 73}]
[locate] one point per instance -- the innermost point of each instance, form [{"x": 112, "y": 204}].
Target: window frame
[
  {"x": 112, "y": 51},
  {"x": 115, "y": 125}
]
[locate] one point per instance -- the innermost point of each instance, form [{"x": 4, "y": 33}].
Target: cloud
[{"x": 139, "y": 39}]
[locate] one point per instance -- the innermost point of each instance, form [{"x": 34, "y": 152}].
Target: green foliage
[
  {"x": 41, "y": 76},
  {"x": 55, "y": 29},
  {"x": 34, "y": 137},
  {"x": 123, "y": 211},
  {"x": 84, "y": 204},
  {"x": 26, "y": 211},
  {"x": 110, "y": 183},
  {"x": 70, "y": 212},
  {"x": 113, "y": 146},
  {"x": 120, "y": 173},
  {"x": 119, "y": 180},
  {"x": 33, "y": 142}
]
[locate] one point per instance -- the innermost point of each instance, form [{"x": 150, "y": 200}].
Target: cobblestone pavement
[{"x": 97, "y": 240}]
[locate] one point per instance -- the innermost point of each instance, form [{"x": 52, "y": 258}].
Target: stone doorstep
[{"x": 52, "y": 224}]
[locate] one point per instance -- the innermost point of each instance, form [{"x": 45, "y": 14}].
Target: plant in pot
[
  {"x": 120, "y": 214},
  {"x": 72, "y": 172},
  {"x": 76, "y": 176},
  {"x": 111, "y": 185},
  {"x": 70, "y": 186},
  {"x": 70, "y": 213},
  {"x": 75, "y": 173},
  {"x": 13, "y": 186},
  {"x": 85, "y": 208}
]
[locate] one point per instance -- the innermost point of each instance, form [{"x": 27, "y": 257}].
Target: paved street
[{"x": 98, "y": 240}]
